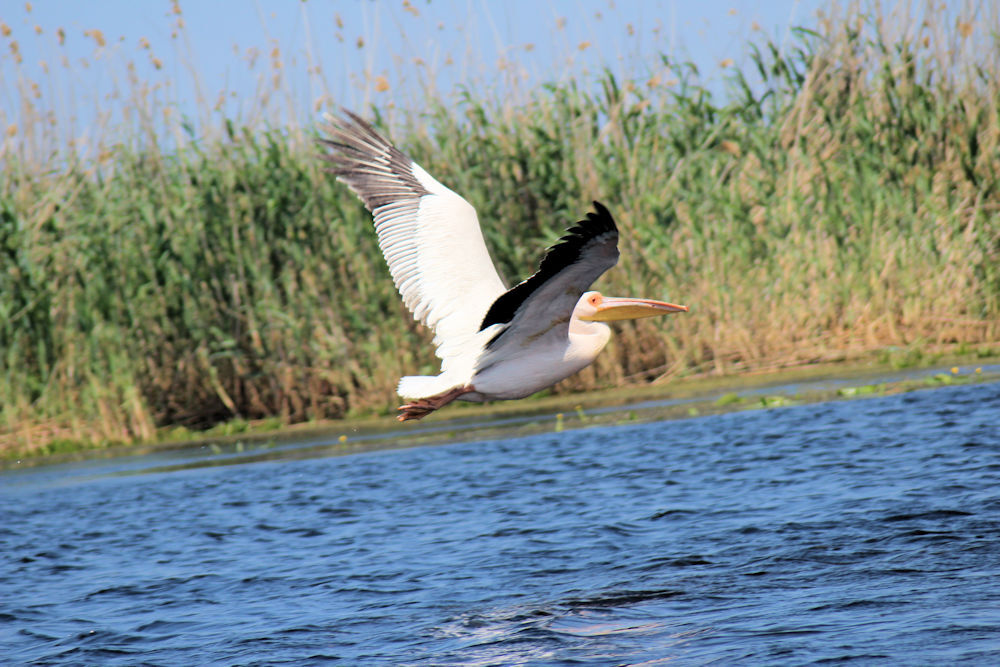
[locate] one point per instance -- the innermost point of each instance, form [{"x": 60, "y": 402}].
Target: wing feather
[
  {"x": 542, "y": 304},
  {"x": 430, "y": 236}
]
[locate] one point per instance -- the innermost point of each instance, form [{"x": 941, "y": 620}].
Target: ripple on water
[{"x": 864, "y": 531}]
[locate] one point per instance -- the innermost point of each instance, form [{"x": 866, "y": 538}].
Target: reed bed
[{"x": 841, "y": 200}]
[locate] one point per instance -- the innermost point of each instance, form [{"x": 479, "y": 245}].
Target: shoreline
[{"x": 678, "y": 399}]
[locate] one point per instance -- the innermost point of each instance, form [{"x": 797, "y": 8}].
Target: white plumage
[{"x": 493, "y": 343}]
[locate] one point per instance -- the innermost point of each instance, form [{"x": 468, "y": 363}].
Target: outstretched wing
[
  {"x": 429, "y": 236},
  {"x": 542, "y": 304}
]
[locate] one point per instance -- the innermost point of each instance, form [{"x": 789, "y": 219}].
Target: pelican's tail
[{"x": 424, "y": 386}]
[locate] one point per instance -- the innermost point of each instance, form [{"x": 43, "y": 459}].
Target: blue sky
[{"x": 220, "y": 57}]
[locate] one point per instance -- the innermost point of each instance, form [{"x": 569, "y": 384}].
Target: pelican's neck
[{"x": 587, "y": 339}]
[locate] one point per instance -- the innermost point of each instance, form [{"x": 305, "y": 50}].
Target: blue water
[{"x": 864, "y": 531}]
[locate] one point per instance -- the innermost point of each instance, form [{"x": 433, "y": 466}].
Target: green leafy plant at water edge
[
  {"x": 731, "y": 398},
  {"x": 777, "y": 401},
  {"x": 845, "y": 203},
  {"x": 863, "y": 390}
]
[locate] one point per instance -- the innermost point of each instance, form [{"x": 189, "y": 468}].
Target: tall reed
[{"x": 842, "y": 198}]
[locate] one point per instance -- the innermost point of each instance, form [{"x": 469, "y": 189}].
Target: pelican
[{"x": 494, "y": 343}]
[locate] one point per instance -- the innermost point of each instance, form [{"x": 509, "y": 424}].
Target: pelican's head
[{"x": 595, "y": 307}]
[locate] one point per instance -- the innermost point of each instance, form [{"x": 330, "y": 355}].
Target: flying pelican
[{"x": 494, "y": 343}]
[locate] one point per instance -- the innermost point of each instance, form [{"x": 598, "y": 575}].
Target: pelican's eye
[{"x": 594, "y": 300}]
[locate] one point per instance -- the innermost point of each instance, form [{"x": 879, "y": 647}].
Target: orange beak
[{"x": 616, "y": 308}]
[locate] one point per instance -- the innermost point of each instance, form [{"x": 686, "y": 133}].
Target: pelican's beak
[{"x": 614, "y": 308}]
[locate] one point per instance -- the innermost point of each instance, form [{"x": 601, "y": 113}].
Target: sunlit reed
[{"x": 841, "y": 200}]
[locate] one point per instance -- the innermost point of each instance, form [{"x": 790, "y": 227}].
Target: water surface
[{"x": 864, "y": 531}]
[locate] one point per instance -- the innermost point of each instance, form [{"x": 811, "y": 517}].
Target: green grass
[{"x": 846, "y": 206}]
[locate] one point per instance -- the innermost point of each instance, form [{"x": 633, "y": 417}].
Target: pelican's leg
[{"x": 422, "y": 407}]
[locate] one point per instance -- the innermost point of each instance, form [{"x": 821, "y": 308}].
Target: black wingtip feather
[{"x": 558, "y": 257}]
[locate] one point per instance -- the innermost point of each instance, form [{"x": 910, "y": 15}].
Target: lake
[{"x": 865, "y": 531}]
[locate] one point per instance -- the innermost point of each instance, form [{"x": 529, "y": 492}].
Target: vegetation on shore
[
  {"x": 692, "y": 397},
  {"x": 841, "y": 200}
]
